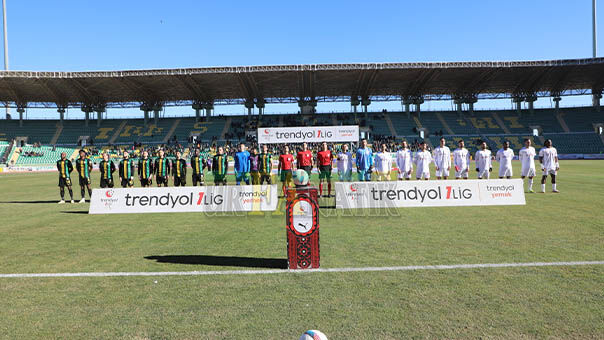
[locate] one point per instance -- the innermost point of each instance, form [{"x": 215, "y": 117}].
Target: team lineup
[{"x": 256, "y": 167}]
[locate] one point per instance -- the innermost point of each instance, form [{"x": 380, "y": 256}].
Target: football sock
[
  {"x": 554, "y": 186},
  {"x": 530, "y": 183},
  {"x": 329, "y": 188},
  {"x": 321, "y": 189},
  {"x": 62, "y": 194},
  {"x": 71, "y": 193},
  {"x": 542, "y": 187}
]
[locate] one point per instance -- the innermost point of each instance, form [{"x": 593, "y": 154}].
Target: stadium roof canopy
[{"x": 294, "y": 83}]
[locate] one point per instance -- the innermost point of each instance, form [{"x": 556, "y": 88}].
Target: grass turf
[{"x": 561, "y": 302}]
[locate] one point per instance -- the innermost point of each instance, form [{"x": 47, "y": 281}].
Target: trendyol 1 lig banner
[
  {"x": 401, "y": 194},
  {"x": 184, "y": 199},
  {"x": 344, "y": 133}
]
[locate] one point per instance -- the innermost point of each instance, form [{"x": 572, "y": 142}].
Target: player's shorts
[
  {"x": 550, "y": 172},
  {"x": 255, "y": 177},
  {"x": 325, "y": 172},
  {"x": 528, "y": 172},
  {"x": 404, "y": 174},
  {"x": 345, "y": 176},
  {"x": 265, "y": 177},
  {"x": 382, "y": 176},
  {"x": 442, "y": 173},
  {"x": 505, "y": 172},
  {"x": 364, "y": 175},
  {"x": 106, "y": 183},
  {"x": 64, "y": 182},
  {"x": 422, "y": 175},
  {"x": 161, "y": 180},
  {"x": 145, "y": 182},
  {"x": 484, "y": 173},
  {"x": 180, "y": 181},
  {"x": 220, "y": 179},
  {"x": 286, "y": 176},
  {"x": 462, "y": 173},
  {"x": 308, "y": 169},
  {"x": 197, "y": 178},
  {"x": 127, "y": 183},
  {"x": 242, "y": 177},
  {"x": 84, "y": 181}
]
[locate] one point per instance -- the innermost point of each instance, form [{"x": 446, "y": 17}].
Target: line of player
[{"x": 258, "y": 166}]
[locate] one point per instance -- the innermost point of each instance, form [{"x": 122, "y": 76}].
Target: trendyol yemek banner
[
  {"x": 345, "y": 133},
  {"x": 400, "y": 194},
  {"x": 184, "y": 199}
]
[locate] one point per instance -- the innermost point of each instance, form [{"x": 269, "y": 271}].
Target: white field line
[{"x": 310, "y": 271}]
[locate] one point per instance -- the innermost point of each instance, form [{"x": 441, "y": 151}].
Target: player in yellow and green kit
[
  {"x": 65, "y": 168},
  {"x": 126, "y": 171},
  {"x": 84, "y": 167},
  {"x": 162, "y": 170},
  {"x": 265, "y": 165},
  {"x": 219, "y": 167},
  {"x": 198, "y": 163},
  {"x": 179, "y": 170},
  {"x": 145, "y": 170},
  {"x": 107, "y": 168}
]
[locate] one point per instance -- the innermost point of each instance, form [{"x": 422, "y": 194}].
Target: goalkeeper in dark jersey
[
  {"x": 198, "y": 163},
  {"x": 145, "y": 170},
  {"x": 84, "y": 167},
  {"x": 219, "y": 167},
  {"x": 179, "y": 170},
  {"x": 162, "y": 169},
  {"x": 65, "y": 168},
  {"x": 107, "y": 168},
  {"x": 126, "y": 171}
]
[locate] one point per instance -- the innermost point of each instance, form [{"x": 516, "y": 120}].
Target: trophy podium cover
[{"x": 302, "y": 222}]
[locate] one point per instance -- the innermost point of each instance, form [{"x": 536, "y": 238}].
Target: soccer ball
[
  {"x": 300, "y": 177},
  {"x": 313, "y": 334}
]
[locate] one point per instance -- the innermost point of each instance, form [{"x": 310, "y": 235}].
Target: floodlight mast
[
  {"x": 5, "y": 47},
  {"x": 593, "y": 27}
]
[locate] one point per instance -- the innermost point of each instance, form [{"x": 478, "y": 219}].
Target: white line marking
[{"x": 320, "y": 270}]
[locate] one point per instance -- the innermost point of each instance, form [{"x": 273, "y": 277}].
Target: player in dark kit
[
  {"x": 179, "y": 170},
  {"x": 145, "y": 170},
  {"x": 84, "y": 167},
  {"x": 107, "y": 168},
  {"x": 65, "y": 168},
  {"x": 162, "y": 169},
  {"x": 219, "y": 167},
  {"x": 265, "y": 165},
  {"x": 254, "y": 160},
  {"x": 304, "y": 159},
  {"x": 126, "y": 171},
  {"x": 197, "y": 166}
]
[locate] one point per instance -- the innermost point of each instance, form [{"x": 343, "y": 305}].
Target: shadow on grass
[
  {"x": 75, "y": 212},
  {"x": 226, "y": 261}
]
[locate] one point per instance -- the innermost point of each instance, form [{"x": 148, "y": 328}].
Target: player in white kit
[
  {"x": 483, "y": 161},
  {"x": 548, "y": 156},
  {"x": 527, "y": 160},
  {"x": 504, "y": 157},
  {"x": 383, "y": 164},
  {"x": 423, "y": 158},
  {"x": 442, "y": 159},
  {"x": 404, "y": 162},
  {"x": 461, "y": 160},
  {"x": 344, "y": 164}
]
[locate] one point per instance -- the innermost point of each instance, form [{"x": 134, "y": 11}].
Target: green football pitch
[{"x": 564, "y": 302}]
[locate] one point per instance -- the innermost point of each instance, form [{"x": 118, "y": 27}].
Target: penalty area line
[{"x": 310, "y": 271}]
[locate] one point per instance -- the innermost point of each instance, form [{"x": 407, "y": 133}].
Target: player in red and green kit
[
  {"x": 145, "y": 170},
  {"x": 162, "y": 169},
  {"x": 179, "y": 170},
  {"x": 304, "y": 159},
  {"x": 219, "y": 167},
  {"x": 107, "y": 168},
  {"x": 198, "y": 163},
  {"x": 324, "y": 163},
  {"x": 65, "y": 168},
  {"x": 286, "y": 163},
  {"x": 126, "y": 171},
  {"x": 265, "y": 165},
  {"x": 84, "y": 167}
]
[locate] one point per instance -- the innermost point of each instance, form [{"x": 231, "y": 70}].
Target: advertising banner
[
  {"x": 184, "y": 199},
  {"x": 345, "y": 133},
  {"x": 401, "y": 194}
]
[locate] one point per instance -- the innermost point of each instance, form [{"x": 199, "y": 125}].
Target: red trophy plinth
[{"x": 302, "y": 221}]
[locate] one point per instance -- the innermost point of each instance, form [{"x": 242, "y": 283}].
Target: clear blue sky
[{"x": 115, "y": 35}]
